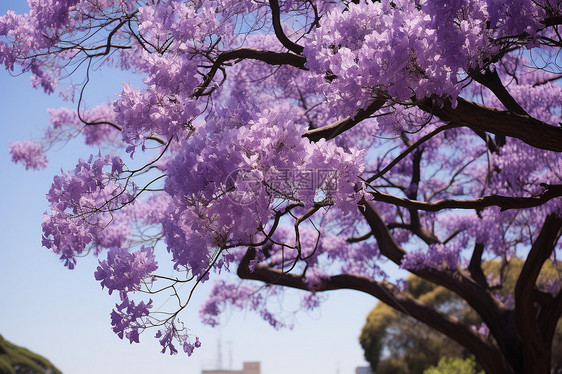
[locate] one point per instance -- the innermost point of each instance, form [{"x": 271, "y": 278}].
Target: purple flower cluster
[
  {"x": 224, "y": 294},
  {"x": 438, "y": 256},
  {"x": 128, "y": 317},
  {"x": 124, "y": 271},
  {"x": 170, "y": 335},
  {"x": 93, "y": 123},
  {"x": 29, "y": 153},
  {"x": 404, "y": 47},
  {"x": 204, "y": 187},
  {"x": 81, "y": 204}
]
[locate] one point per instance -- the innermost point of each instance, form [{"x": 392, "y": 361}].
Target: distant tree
[
  {"x": 450, "y": 365},
  {"x": 301, "y": 144},
  {"x": 18, "y": 360},
  {"x": 398, "y": 337},
  {"x": 392, "y": 335}
]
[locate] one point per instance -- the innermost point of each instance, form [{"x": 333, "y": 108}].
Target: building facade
[
  {"x": 363, "y": 370},
  {"x": 247, "y": 368}
]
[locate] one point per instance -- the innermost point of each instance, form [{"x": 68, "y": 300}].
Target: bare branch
[
  {"x": 108, "y": 45},
  {"x": 410, "y": 149},
  {"x": 496, "y": 316},
  {"x": 387, "y": 245},
  {"x": 475, "y": 266}
]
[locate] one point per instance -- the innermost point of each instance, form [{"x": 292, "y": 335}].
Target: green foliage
[
  {"x": 453, "y": 365},
  {"x": 15, "y": 359}
]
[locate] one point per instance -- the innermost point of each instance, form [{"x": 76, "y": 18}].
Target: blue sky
[{"x": 64, "y": 314}]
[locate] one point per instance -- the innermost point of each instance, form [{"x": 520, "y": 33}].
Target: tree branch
[
  {"x": 537, "y": 354},
  {"x": 485, "y": 352},
  {"x": 387, "y": 245},
  {"x": 552, "y": 21},
  {"x": 331, "y": 131},
  {"x": 536, "y": 133},
  {"x": 504, "y": 202},
  {"x": 416, "y": 227},
  {"x": 269, "y": 57},
  {"x": 419, "y": 142},
  {"x": 496, "y": 316},
  {"x": 276, "y": 18},
  {"x": 108, "y": 44},
  {"x": 549, "y": 316},
  {"x": 475, "y": 265},
  {"x": 492, "y": 81}
]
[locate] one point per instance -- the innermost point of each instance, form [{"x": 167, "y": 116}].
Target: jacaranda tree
[{"x": 303, "y": 143}]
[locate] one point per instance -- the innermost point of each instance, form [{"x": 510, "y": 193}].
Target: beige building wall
[{"x": 247, "y": 368}]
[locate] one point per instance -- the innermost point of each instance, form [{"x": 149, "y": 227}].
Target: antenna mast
[{"x": 219, "y": 353}]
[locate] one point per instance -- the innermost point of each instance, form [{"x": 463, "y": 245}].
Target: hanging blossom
[
  {"x": 94, "y": 124},
  {"x": 438, "y": 256},
  {"x": 129, "y": 318},
  {"x": 29, "y": 153},
  {"x": 124, "y": 271},
  {"x": 170, "y": 334},
  {"x": 81, "y": 203},
  {"x": 239, "y": 296}
]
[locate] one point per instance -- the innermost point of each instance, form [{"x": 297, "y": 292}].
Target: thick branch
[
  {"x": 490, "y": 143},
  {"x": 269, "y": 57},
  {"x": 387, "y": 245},
  {"x": 478, "y": 117},
  {"x": 504, "y": 202},
  {"x": 276, "y": 18},
  {"x": 493, "y": 312},
  {"x": 549, "y": 316},
  {"x": 536, "y": 348},
  {"x": 484, "y": 351},
  {"x": 331, "y": 131},
  {"x": 360, "y": 238},
  {"x": 492, "y": 81},
  {"x": 475, "y": 266},
  {"x": 111, "y": 34},
  {"x": 552, "y": 21},
  {"x": 415, "y": 224}
]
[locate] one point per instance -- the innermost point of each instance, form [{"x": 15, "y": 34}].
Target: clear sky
[{"x": 64, "y": 315}]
